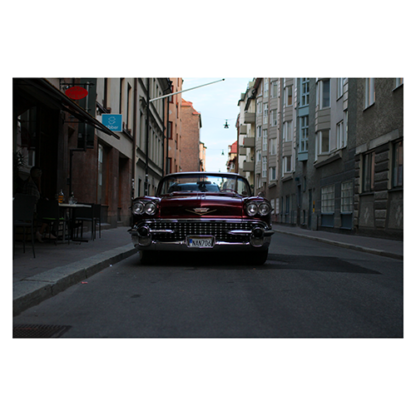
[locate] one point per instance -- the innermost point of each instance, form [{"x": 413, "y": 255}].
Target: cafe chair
[
  {"x": 97, "y": 218},
  {"x": 23, "y": 216},
  {"x": 48, "y": 211},
  {"x": 89, "y": 215}
]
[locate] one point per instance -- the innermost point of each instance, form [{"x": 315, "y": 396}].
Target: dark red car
[{"x": 203, "y": 211}]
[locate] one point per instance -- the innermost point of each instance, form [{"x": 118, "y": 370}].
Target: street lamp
[{"x": 148, "y": 101}]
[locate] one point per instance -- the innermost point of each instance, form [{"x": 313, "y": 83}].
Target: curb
[
  {"x": 35, "y": 289},
  {"x": 346, "y": 245}
]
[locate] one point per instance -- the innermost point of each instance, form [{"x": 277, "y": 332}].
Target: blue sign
[{"x": 114, "y": 122}]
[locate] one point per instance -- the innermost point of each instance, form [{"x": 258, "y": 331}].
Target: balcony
[
  {"x": 242, "y": 151},
  {"x": 248, "y": 166},
  {"x": 249, "y": 118},
  {"x": 249, "y": 142},
  {"x": 243, "y": 129}
]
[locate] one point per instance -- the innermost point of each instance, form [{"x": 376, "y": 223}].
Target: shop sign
[
  {"x": 113, "y": 122},
  {"x": 76, "y": 92}
]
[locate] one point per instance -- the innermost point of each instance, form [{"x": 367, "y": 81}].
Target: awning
[{"x": 42, "y": 89}]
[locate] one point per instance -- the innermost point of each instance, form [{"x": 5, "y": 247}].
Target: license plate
[{"x": 200, "y": 242}]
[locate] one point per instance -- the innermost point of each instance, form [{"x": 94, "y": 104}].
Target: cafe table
[{"x": 69, "y": 212}]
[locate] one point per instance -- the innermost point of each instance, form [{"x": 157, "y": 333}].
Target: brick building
[{"x": 191, "y": 125}]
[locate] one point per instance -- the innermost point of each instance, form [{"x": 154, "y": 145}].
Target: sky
[{"x": 216, "y": 103}]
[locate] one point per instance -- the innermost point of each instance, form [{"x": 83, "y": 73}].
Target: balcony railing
[
  {"x": 243, "y": 129},
  {"x": 249, "y": 142},
  {"x": 249, "y": 118},
  {"x": 248, "y": 166}
]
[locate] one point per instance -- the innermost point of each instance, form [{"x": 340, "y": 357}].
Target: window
[
  {"x": 259, "y": 107},
  {"x": 305, "y": 91},
  {"x": 397, "y": 179},
  {"x": 273, "y": 146},
  {"x": 273, "y": 117},
  {"x": 322, "y": 142},
  {"x": 170, "y": 130},
  {"x": 369, "y": 93},
  {"x": 265, "y": 140},
  {"x": 274, "y": 89},
  {"x": 398, "y": 82},
  {"x": 368, "y": 172},
  {"x": 304, "y": 134},
  {"x": 340, "y": 87},
  {"x": 272, "y": 173},
  {"x": 287, "y": 165},
  {"x": 340, "y": 135},
  {"x": 325, "y": 102},
  {"x": 323, "y": 93},
  {"x": 258, "y": 156},
  {"x": 287, "y": 131},
  {"x": 264, "y": 167},
  {"x": 265, "y": 113},
  {"x": 266, "y": 87},
  {"x": 347, "y": 197},
  {"x": 259, "y": 132},
  {"x": 328, "y": 199},
  {"x": 288, "y": 97}
]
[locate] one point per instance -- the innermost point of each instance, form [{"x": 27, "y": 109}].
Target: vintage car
[{"x": 203, "y": 211}]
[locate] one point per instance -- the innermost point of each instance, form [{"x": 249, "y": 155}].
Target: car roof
[{"x": 231, "y": 174}]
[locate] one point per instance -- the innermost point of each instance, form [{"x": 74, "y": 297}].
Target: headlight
[
  {"x": 252, "y": 209},
  {"x": 144, "y": 207},
  {"x": 264, "y": 209},
  {"x": 150, "y": 208},
  {"x": 138, "y": 208}
]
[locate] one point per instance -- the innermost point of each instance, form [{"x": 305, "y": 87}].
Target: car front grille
[{"x": 218, "y": 229}]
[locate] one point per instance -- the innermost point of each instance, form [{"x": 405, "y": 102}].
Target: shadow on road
[{"x": 209, "y": 260}]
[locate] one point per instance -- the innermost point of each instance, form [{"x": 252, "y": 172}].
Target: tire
[
  {"x": 259, "y": 258},
  {"x": 147, "y": 257}
]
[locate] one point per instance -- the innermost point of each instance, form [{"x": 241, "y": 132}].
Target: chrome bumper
[{"x": 146, "y": 235}]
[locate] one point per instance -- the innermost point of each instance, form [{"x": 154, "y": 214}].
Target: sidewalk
[
  {"x": 56, "y": 267},
  {"x": 378, "y": 246}
]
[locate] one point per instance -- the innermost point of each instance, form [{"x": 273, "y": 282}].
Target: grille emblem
[{"x": 201, "y": 211}]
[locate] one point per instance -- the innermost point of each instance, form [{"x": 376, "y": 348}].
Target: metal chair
[
  {"x": 48, "y": 211},
  {"x": 81, "y": 215},
  {"x": 23, "y": 216},
  {"x": 97, "y": 218}
]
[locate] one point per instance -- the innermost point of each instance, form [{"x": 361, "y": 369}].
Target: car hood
[{"x": 201, "y": 205}]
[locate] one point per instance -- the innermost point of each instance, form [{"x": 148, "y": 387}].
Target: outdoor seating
[
  {"x": 23, "y": 216},
  {"x": 89, "y": 215},
  {"x": 48, "y": 211}
]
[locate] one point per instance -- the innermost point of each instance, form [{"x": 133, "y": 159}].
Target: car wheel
[
  {"x": 259, "y": 257},
  {"x": 147, "y": 257}
]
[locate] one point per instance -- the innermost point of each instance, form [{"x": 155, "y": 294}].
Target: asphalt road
[{"x": 306, "y": 289}]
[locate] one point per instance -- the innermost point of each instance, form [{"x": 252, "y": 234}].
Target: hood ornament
[{"x": 201, "y": 211}]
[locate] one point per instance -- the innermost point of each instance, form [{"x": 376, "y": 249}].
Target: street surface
[{"x": 306, "y": 289}]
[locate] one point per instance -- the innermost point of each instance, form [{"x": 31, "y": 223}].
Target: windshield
[{"x": 204, "y": 183}]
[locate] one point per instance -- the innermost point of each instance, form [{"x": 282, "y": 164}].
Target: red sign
[{"x": 76, "y": 93}]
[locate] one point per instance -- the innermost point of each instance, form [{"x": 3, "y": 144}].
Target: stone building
[{"x": 191, "y": 125}]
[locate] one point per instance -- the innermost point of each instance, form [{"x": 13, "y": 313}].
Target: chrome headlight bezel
[
  {"x": 264, "y": 209},
  {"x": 261, "y": 208},
  {"x": 150, "y": 208},
  {"x": 137, "y": 208},
  {"x": 252, "y": 209},
  {"x": 144, "y": 207}
]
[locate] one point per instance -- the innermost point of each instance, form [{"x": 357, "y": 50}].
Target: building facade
[
  {"x": 329, "y": 151},
  {"x": 191, "y": 125},
  {"x": 174, "y": 119},
  {"x": 78, "y": 153}
]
